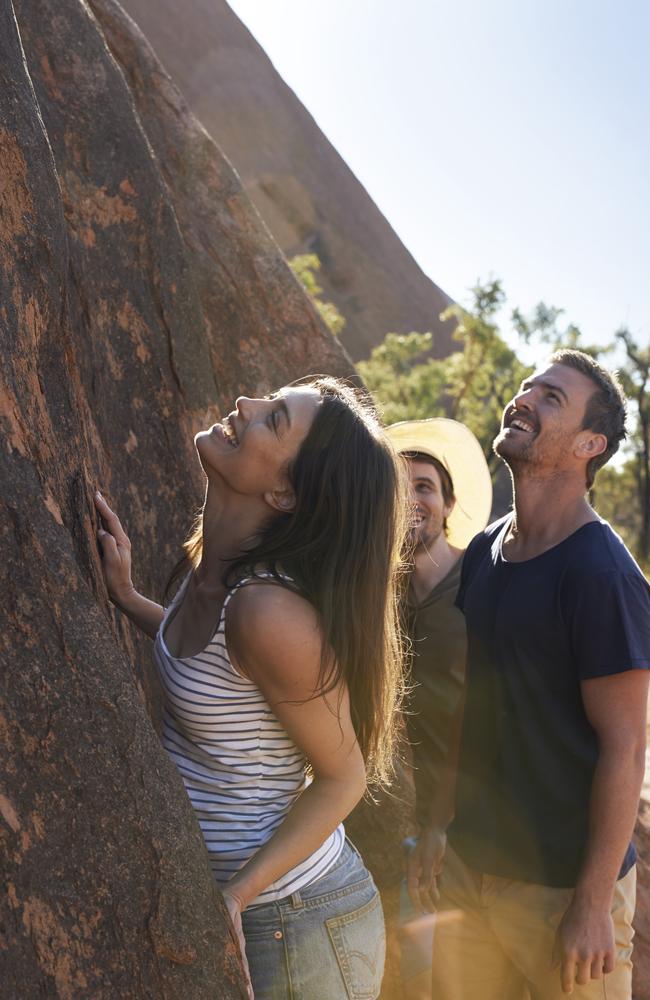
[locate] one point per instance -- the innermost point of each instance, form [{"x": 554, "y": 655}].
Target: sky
[{"x": 506, "y": 138}]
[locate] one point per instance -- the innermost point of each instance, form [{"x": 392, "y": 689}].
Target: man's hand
[
  {"x": 584, "y": 945},
  {"x": 423, "y": 866}
]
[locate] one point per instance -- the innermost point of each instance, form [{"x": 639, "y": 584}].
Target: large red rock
[
  {"x": 307, "y": 195},
  {"x": 130, "y": 312}
]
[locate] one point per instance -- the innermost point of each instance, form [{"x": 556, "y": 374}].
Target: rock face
[
  {"x": 139, "y": 293},
  {"x": 304, "y": 191}
]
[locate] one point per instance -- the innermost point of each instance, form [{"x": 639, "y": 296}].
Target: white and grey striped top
[{"x": 240, "y": 768}]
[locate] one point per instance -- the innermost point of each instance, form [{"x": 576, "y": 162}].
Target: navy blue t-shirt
[{"x": 535, "y": 630}]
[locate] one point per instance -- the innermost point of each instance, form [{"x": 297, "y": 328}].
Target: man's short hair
[{"x": 606, "y": 410}]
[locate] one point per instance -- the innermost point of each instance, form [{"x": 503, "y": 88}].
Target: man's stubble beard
[{"x": 425, "y": 542}]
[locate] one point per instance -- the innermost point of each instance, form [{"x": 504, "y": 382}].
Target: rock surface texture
[
  {"x": 305, "y": 192},
  {"x": 140, "y": 292}
]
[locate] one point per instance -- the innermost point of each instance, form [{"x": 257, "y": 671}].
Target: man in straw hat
[
  {"x": 451, "y": 491},
  {"x": 538, "y": 885}
]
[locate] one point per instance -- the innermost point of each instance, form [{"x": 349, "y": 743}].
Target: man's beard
[
  {"x": 513, "y": 457},
  {"x": 537, "y": 455},
  {"x": 425, "y": 540}
]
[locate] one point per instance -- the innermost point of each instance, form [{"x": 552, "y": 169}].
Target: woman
[{"x": 281, "y": 667}]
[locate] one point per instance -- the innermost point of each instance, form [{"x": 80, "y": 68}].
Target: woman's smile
[{"x": 226, "y": 430}]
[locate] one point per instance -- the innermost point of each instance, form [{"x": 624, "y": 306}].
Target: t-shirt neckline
[{"x": 526, "y": 562}]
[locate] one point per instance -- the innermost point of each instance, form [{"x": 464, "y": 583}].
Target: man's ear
[
  {"x": 283, "y": 501},
  {"x": 589, "y": 445},
  {"x": 447, "y": 509}
]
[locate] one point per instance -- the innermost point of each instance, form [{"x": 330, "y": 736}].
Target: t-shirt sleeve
[{"x": 609, "y": 623}]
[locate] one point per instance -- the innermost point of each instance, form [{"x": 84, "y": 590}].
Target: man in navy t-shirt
[{"x": 538, "y": 885}]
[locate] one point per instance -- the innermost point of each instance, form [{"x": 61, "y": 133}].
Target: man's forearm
[{"x": 612, "y": 814}]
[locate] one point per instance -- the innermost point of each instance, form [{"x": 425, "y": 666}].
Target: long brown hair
[{"x": 341, "y": 546}]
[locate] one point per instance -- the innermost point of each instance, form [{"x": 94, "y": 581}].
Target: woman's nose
[{"x": 243, "y": 405}]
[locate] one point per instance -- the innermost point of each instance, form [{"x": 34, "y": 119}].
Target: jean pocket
[{"x": 359, "y": 942}]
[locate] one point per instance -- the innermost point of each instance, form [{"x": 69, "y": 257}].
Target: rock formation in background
[
  {"x": 309, "y": 198},
  {"x": 140, "y": 292}
]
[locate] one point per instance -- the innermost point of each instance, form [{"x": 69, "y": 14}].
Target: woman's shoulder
[
  {"x": 269, "y": 605},
  {"x": 273, "y": 631}
]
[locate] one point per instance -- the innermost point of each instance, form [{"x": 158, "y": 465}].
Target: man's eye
[{"x": 553, "y": 395}]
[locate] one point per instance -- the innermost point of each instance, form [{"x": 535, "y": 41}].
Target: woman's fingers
[
  {"x": 115, "y": 549},
  {"x": 108, "y": 545},
  {"x": 234, "y": 911},
  {"x": 112, "y": 521}
]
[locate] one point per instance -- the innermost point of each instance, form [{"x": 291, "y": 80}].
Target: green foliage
[
  {"x": 472, "y": 384},
  {"x": 305, "y": 267},
  {"x": 543, "y": 327},
  {"x": 616, "y": 498},
  {"x": 486, "y": 373},
  {"x": 406, "y": 384},
  {"x": 634, "y": 374}
]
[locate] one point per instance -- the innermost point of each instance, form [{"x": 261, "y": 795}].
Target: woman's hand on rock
[{"x": 116, "y": 553}]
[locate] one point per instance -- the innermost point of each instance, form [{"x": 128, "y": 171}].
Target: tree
[
  {"x": 635, "y": 376},
  {"x": 406, "y": 384},
  {"x": 305, "y": 267},
  {"x": 615, "y": 496},
  {"x": 472, "y": 384},
  {"x": 484, "y": 376},
  {"x": 542, "y": 326}
]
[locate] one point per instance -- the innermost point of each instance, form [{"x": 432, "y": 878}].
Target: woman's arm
[
  {"x": 116, "y": 555},
  {"x": 274, "y": 638}
]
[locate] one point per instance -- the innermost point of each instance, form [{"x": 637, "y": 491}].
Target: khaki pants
[{"x": 494, "y": 939}]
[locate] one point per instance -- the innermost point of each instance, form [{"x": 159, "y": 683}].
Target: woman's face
[{"x": 251, "y": 449}]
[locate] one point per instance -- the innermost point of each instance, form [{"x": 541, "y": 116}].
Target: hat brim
[{"x": 454, "y": 445}]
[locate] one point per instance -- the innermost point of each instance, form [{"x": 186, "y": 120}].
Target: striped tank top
[{"x": 240, "y": 769}]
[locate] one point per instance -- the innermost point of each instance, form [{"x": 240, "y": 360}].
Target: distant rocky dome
[{"x": 307, "y": 195}]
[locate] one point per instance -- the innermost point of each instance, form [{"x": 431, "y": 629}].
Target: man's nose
[{"x": 523, "y": 399}]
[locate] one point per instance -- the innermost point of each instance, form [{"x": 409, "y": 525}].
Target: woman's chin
[{"x": 209, "y": 451}]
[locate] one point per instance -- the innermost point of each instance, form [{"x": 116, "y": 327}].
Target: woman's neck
[{"x": 230, "y": 526}]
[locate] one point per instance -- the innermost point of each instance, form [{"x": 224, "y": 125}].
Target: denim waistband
[{"x": 346, "y": 875}]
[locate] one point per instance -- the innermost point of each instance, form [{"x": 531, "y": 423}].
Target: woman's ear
[{"x": 283, "y": 500}]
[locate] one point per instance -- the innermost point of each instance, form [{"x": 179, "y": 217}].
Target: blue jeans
[{"x": 325, "y": 942}]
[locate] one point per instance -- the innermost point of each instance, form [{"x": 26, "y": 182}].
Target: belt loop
[{"x": 296, "y": 900}]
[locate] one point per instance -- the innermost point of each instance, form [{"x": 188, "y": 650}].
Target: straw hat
[{"x": 456, "y": 448}]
